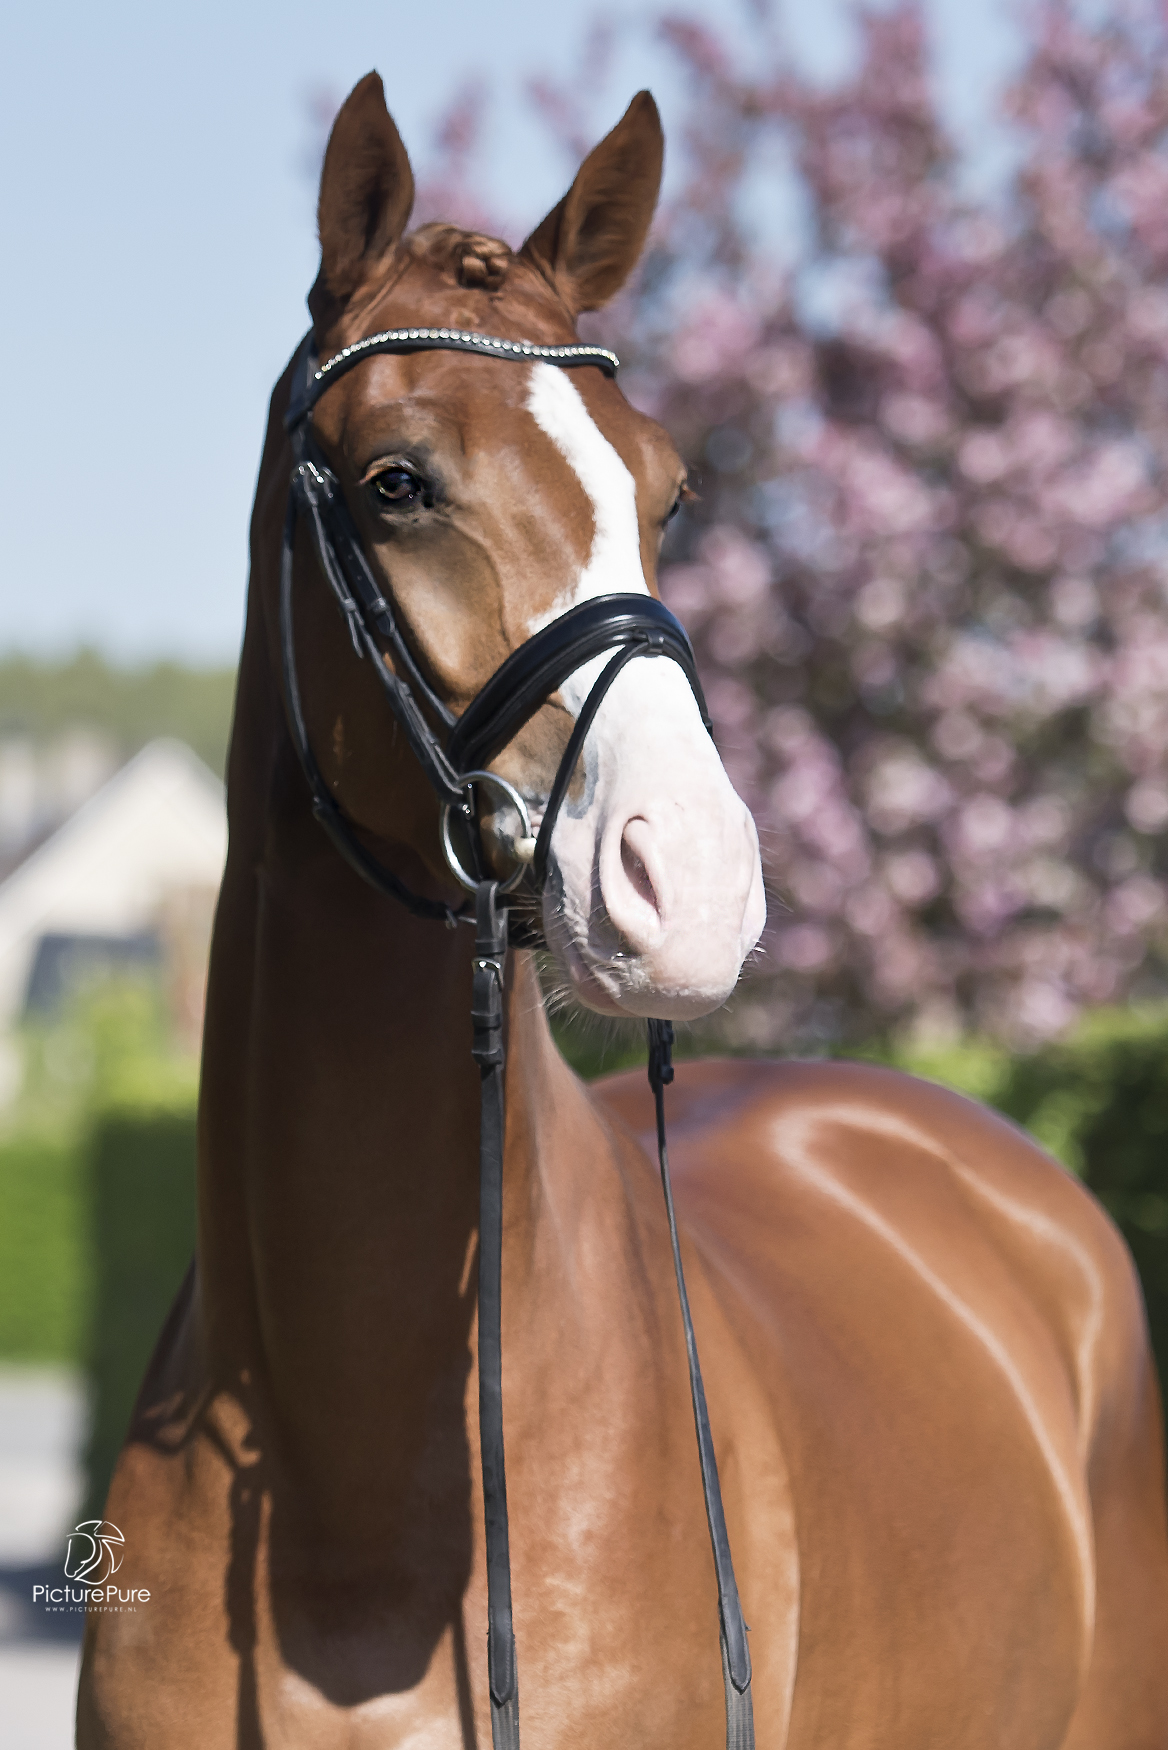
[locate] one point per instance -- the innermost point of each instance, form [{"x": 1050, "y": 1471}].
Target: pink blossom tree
[{"x": 927, "y": 569}]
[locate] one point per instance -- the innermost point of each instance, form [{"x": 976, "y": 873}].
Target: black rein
[{"x": 453, "y": 757}]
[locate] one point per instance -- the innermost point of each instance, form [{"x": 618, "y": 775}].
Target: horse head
[{"x": 491, "y": 497}]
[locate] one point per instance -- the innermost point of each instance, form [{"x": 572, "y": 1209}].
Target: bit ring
[{"x": 510, "y": 794}]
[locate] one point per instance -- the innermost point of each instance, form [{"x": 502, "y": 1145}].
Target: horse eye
[
  {"x": 673, "y": 509},
  {"x": 399, "y": 486}
]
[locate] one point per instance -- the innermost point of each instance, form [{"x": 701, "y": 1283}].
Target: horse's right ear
[{"x": 366, "y": 193}]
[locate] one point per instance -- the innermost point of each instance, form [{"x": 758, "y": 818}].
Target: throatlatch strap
[
  {"x": 487, "y": 1051},
  {"x": 325, "y": 808},
  {"x": 735, "y": 1651}
]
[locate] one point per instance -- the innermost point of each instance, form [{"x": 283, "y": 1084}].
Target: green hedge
[
  {"x": 140, "y": 1173},
  {"x": 1100, "y": 1103},
  {"x": 45, "y": 1257},
  {"x": 94, "y": 1240}
]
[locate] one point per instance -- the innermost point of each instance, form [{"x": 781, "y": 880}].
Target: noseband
[{"x": 455, "y": 758}]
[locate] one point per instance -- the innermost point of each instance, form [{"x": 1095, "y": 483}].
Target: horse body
[
  {"x": 937, "y": 1424},
  {"x": 948, "y": 1339},
  {"x": 920, "y": 1342}
]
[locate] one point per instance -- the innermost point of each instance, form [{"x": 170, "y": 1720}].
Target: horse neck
[{"x": 339, "y": 1133}]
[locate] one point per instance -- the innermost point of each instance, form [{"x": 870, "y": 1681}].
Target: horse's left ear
[{"x": 589, "y": 244}]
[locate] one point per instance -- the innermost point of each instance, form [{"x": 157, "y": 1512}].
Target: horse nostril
[
  {"x": 633, "y": 884},
  {"x": 636, "y": 873}
]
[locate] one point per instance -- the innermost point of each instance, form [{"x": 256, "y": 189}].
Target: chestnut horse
[{"x": 928, "y": 1376}]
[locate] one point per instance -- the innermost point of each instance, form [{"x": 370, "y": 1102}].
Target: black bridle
[{"x": 454, "y": 754}]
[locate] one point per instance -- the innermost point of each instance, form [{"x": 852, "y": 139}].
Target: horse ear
[
  {"x": 589, "y": 244},
  {"x": 366, "y": 193}
]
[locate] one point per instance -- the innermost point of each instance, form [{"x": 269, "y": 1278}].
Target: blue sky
[{"x": 159, "y": 241}]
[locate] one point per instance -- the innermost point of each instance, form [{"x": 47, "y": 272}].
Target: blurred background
[{"x": 905, "y": 311}]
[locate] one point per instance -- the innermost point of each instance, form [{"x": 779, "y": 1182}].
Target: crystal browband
[{"x": 398, "y": 340}]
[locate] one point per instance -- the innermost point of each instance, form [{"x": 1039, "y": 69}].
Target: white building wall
[{"x": 159, "y": 825}]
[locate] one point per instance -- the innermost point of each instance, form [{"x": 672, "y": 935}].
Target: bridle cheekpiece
[{"x": 454, "y": 761}]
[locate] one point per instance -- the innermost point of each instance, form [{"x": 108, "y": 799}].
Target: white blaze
[
  {"x": 655, "y": 790},
  {"x": 614, "y": 564}
]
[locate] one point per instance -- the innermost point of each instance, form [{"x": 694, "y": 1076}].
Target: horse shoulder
[{"x": 777, "y": 1145}]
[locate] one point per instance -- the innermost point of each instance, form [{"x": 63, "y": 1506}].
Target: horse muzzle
[{"x": 655, "y": 892}]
